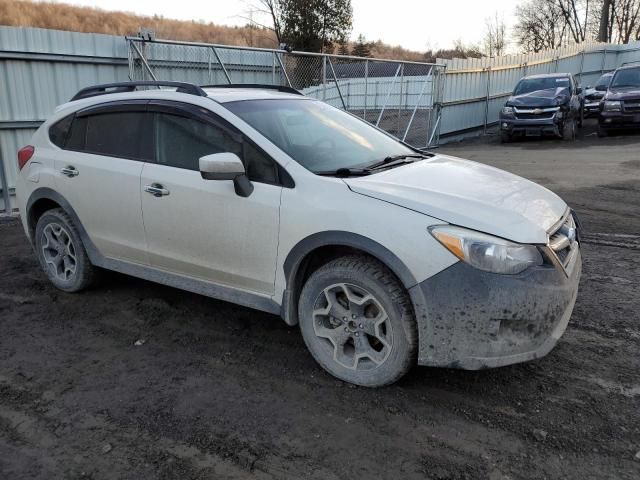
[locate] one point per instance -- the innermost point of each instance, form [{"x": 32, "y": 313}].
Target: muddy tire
[
  {"x": 569, "y": 131},
  {"x": 358, "y": 322},
  {"x": 61, "y": 253}
]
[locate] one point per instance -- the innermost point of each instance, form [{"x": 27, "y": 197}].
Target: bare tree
[
  {"x": 541, "y": 25},
  {"x": 626, "y": 19},
  {"x": 576, "y": 17},
  {"x": 495, "y": 36},
  {"x": 273, "y": 10},
  {"x": 604, "y": 30}
]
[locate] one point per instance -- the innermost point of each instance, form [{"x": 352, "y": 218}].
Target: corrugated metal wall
[
  {"x": 40, "y": 69},
  {"x": 476, "y": 89}
]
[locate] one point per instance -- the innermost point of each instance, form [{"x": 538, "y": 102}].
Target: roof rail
[
  {"x": 120, "y": 87},
  {"x": 279, "y": 88}
]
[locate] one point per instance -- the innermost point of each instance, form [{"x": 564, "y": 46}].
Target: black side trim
[
  {"x": 219, "y": 292},
  {"x": 334, "y": 238}
]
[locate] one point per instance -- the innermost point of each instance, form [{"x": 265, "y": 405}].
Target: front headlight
[
  {"x": 612, "y": 106},
  {"x": 486, "y": 252},
  {"x": 507, "y": 110}
]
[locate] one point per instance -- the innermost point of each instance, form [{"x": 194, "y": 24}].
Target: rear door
[
  {"x": 98, "y": 172},
  {"x": 202, "y": 228}
]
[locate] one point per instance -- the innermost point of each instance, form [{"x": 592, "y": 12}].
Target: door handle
[
  {"x": 70, "y": 171},
  {"x": 156, "y": 190}
]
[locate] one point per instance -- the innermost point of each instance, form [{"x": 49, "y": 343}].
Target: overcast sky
[{"x": 414, "y": 24}]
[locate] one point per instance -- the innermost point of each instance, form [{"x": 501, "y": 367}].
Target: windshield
[
  {"x": 318, "y": 136},
  {"x": 528, "y": 85},
  {"x": 603, "y": 81},
  {"x": 626, "y": 78}
]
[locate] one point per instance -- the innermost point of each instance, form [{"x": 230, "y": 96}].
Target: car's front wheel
[
  {"x": 569, "y": 130},
  {"x": 61, "y": 252},
  {"x": 358, "y": 322}
]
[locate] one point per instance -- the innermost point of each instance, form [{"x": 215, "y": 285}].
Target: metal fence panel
[
  {"x": 476, "y": 89},
  {"x": 398, "y": 97}
]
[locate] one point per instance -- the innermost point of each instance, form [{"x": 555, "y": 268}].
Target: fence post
[
  {"x": 335, "y": 79},
  {"x": 324, "y": 78},
  {"x": 486, "y": 102},
  {"x": 581, "y": 65},
  {"x": 224, "y": 69},
  {"x": 401, "y": 94},
  {"x": 366, "y": 82},
  {"x": 4, "y": 183}
]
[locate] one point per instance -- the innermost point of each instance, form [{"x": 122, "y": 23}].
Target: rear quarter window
[{"x": 59, "y": 131}]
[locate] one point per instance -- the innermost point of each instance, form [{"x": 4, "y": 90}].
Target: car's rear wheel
[
  {"x": 61, "y": 253},
  {"x": 569, "y": 130},
  {"x": 358, "y": 322}
]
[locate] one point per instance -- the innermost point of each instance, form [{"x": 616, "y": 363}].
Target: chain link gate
[{"x": 402, "y": 98}]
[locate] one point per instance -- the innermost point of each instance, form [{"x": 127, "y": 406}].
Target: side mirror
[
  {"x": 578, "y": 90},
  {"x": 226, "y": 166}
]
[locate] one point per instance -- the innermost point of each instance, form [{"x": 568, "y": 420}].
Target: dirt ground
[{"x": 216, "y": 391}]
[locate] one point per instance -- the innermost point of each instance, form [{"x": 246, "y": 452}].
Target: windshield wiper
[
  {"x": 393, "y": 160},
  {"x": 345, "y": 172}
]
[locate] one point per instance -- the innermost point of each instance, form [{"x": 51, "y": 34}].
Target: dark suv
[
  {"x": 620, "y": 107},
  {"x": 593, "y": 95},
  {"x": 547, "y": 104}
]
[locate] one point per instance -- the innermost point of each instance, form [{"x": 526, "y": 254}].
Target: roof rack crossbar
[
  {"x": 119, "y": 87},
  {"x": 279, "y": 88}
]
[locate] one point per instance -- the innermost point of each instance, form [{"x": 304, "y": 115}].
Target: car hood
[
  {"x": 468, "y": 194},
  {"x": 551, "y": 97},
  {"x": 593, "y": 93},
  {"x": 626, "y": 93}
]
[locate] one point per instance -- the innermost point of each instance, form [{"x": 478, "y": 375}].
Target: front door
[{"x": 202, "y": 228}]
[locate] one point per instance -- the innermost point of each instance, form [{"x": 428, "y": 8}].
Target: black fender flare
[
  {"x": 47, "y": 193},
  {"x": 336, "y": 238}
]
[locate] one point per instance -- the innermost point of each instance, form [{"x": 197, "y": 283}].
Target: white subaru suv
[{"x": 385, "y": 256}]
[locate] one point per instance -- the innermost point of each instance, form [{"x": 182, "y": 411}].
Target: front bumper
[
  {"x": 471, "y": 319},
  {"x": 619, "y": 120},
  {"x": 591, "y": 109},
  {"x": 531, "y": 127}
]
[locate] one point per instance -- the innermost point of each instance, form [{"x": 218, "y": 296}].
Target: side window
[
  {"x": 181, "y": 141},
  {"x": 119, "y": 134},
  {"x": 58, "y": 131}
]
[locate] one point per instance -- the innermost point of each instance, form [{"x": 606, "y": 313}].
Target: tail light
[{"x": 24, "y": 155}]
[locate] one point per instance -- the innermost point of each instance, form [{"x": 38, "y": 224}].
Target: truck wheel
[
  {"x": 505, "y": 137},
  {"x": 602, "y": 132},
  {"x": 61, "y": 253},
  {"x": 581, "y": 120},
  {"x": 569, "y": 131},
  {"x": 358, "y": 322}
]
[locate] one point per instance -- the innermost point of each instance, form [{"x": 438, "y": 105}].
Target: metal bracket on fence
[
  {"x": 335, "y": 79},
  {"x": 224, "y": 69},
  {"x": 415, "y": 109},
  {"x": 393, "y": 82},
  {"x": 144, "y": 61},
  {"x": 283, "y": 69}
]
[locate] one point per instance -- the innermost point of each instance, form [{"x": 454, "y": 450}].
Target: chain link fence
[{"x": 402, "y": 98}]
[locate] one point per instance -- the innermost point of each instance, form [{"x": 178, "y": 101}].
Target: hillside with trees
[{"x": 60, "y": 16}]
